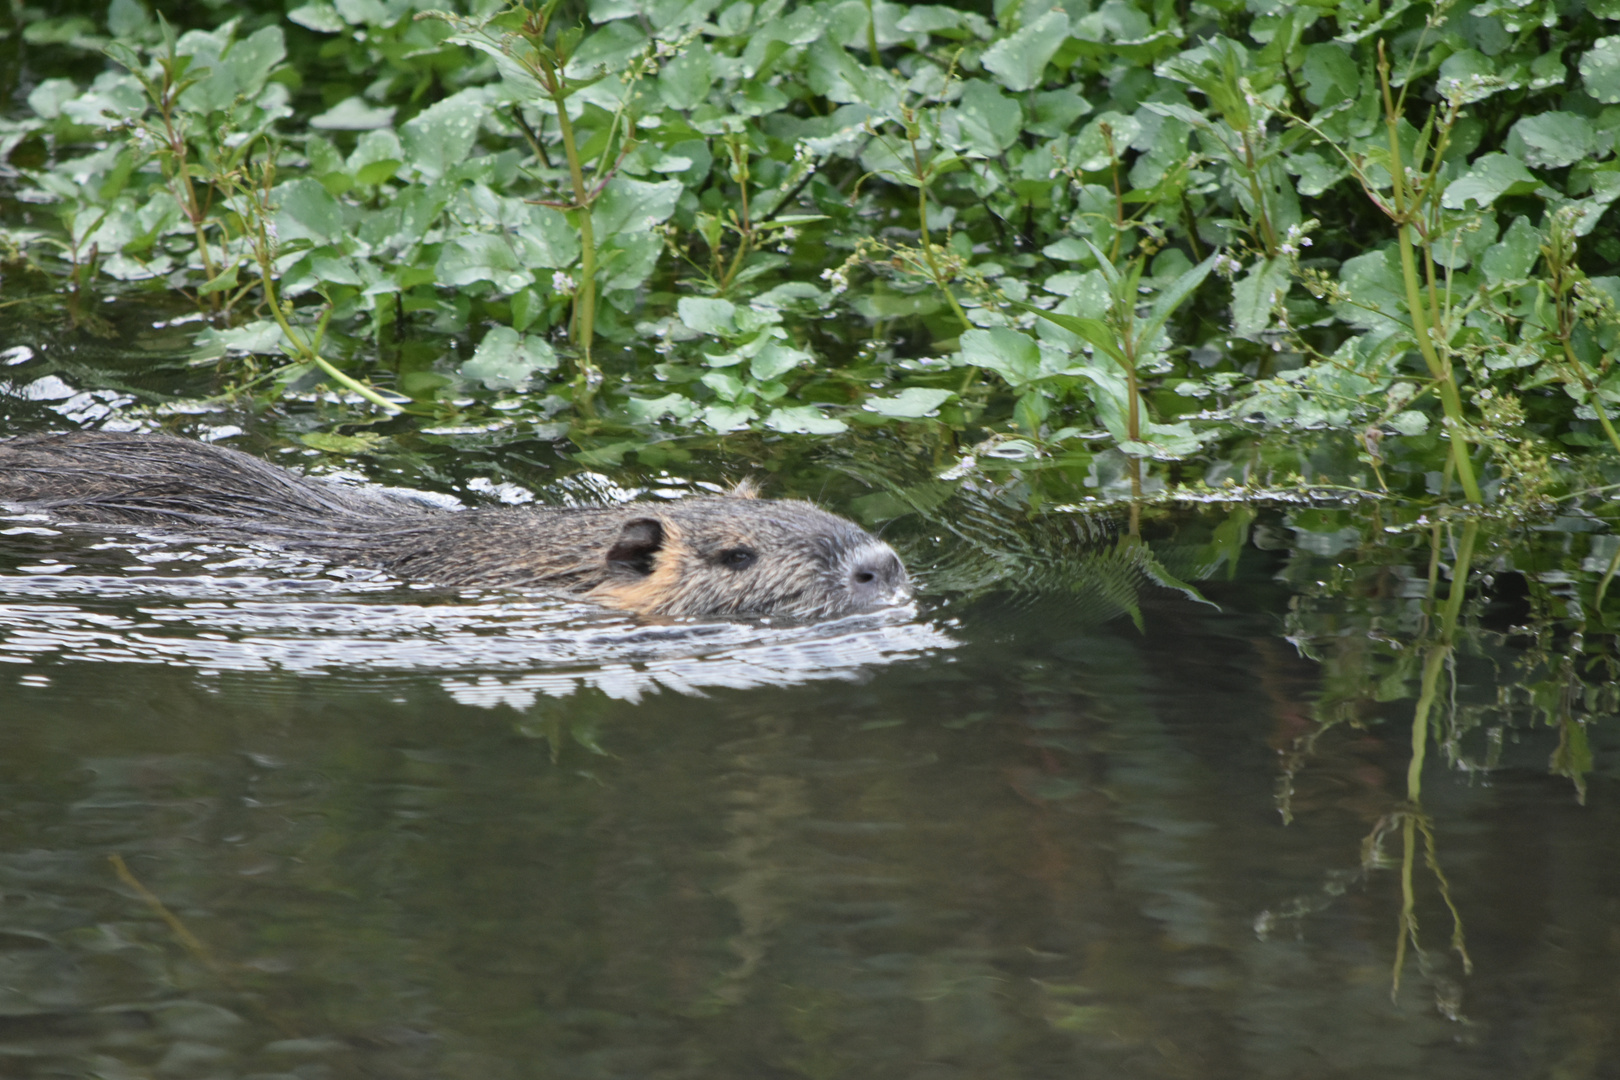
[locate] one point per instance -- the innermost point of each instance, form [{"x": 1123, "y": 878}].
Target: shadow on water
[{"x": 1250, "y": 792}]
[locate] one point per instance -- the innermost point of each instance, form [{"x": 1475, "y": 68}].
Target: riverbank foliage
[{"x": 1117, "y": 247}]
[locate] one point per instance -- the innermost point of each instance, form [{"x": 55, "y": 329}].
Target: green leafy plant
[{"x": 996, "y": 231}]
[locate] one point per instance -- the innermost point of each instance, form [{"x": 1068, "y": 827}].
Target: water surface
[{"x": 263, "y": 817}]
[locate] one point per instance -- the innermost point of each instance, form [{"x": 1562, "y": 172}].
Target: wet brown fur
[{"x": 714, "y": 555}]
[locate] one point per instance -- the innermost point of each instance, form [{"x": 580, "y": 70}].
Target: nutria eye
[{"x": 738, "y": 558}]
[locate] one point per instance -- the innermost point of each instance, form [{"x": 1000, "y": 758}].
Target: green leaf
[
  {"x": 441, "y": 136},
  {"x": 1055, "y": 111},
  {"x": 1374, "y": 282},
  {"x": 1094, "y": 332},
  {"x": 706, "y": 316},
  {"x": 377, "y": 172},
  {"x": 1091, "y": 148},
  {"x": 1330, "y": 74},
  {"x": 48, "y": 97},
  {"x": 111, "y": 99},
  {"x": 228, "y": 68},
  {"x": 725, "y": 418},
  {"x": 505, "y": 359},
  {"x": 684, "y": 83},
  {"x": 836, "y": 76},
  {"x": 1409, "y": 422},
  {"x": 1511, "y": 258},
  {"x": 633, "y": 206},
  {"x": 1600, "y": 70},
  {"x": 1174, "y": 297},
  {"x": 911, "y": 403},
  {"x": 759, "y": 99},
  {"x": 263, "y": 338},
  {"x": 223, "y": 281},
  {"x": 1013, "y": 355},
  {"x": 353, "y": 114},
  {"x": 988, "y": 120},
  {"x": 60, "y": 31},
  {"x": 1468, "y": 76},
  {"x": 364, "y": 442},
  {"x": 482, "y": 257},
  {"x": 1488, "y": 179},
  {"x": 1154, "y": 569},
  {"x": 126, "y": 18},
  {"x": 1316, "y": 172},
  {"x": 804, "y": 420},
  {"x": 306, "y": 211},
  {"x": 547, "y": 240},
  {"x": 319, "y": 17},
  {"x": 647, "y": 411},
  {"x": 1552, "y": 140},
  {"x": 1031, "y": 411},
  {"x": 609, "y": 48},
  {"x": 1256, "y": 294},
  {"x": 775, "y": 360},
  {"x": 726, "y": 386},
  {"x": 1019, "y": 61}
]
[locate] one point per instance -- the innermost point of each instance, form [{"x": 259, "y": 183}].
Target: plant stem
[
  {"x": 305, "y": 350},
  {"x": 1439, "y": 369},
  {"x": 934, "y": 268},
  {"x": 585, "y": 298}
]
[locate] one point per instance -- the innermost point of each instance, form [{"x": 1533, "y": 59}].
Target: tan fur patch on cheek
[{"x": 650, "y": 595}]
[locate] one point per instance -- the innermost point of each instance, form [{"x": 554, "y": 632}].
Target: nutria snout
[{"x": 705, "y": 556}]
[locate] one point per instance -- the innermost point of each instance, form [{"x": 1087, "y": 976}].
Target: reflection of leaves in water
[{"x": 972, "y": 542}]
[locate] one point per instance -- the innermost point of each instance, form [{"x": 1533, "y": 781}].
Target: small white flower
[{"x": 562, "y": 283}]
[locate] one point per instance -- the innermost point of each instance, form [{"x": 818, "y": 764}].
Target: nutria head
[{"x": 739, "y": 555}]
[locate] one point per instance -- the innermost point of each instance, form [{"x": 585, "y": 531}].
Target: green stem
[
  {"x": 1251, "y": 172},
  {"x": 1439, "y": 370},
  {"x": 585, "y": 297},
  {"x": 1407, "y": 923},
  {"x": 1133, "y": 418},
  {"x": 928, "y": 252},
  {"x": 1438, "y": 652},
  {"x": 305, "y": 351}
]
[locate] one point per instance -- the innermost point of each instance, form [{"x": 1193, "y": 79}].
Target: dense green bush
[{"x": 1084, "y": 236}]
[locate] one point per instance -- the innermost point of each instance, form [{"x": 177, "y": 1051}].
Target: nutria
[{"x": 705, "y": 556}]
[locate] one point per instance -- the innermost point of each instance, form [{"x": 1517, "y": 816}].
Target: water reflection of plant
[{"x": 1383, "y": 634}]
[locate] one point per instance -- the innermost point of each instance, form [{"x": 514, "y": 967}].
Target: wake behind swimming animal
[{"x": 704, "y": 556}]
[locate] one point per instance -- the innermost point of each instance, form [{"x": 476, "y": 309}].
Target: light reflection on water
[
  {"x": 1017, "y": 843},
  {"x": 486, "y": 649}
]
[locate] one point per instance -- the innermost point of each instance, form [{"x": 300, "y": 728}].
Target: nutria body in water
[{"x": 706, "y": 556}]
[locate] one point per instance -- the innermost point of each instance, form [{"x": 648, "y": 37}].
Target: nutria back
[{"x": 707, "y": 556}]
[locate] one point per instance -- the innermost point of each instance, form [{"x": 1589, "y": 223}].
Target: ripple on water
[{"x": 268, "y": 611}]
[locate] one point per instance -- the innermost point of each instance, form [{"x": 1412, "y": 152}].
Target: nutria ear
[
  {"x": 744, "y": 489},
  {"x": 637, "y": 546}
]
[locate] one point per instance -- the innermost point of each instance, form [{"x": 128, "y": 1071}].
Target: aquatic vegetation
[
  {"x": 1342, "y": 274},
  {"x": 1069, "y": 235}
]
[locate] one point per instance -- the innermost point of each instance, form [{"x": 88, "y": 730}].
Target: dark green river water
[{"x": 265, "y": 818}]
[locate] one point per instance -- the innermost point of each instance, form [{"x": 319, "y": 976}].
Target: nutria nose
[{"x": 876, "y": 579}]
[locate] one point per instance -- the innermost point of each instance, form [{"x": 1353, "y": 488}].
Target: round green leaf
[
  {"x": 911, "y": 403},
  {"x": 1600, "y": 70}
]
